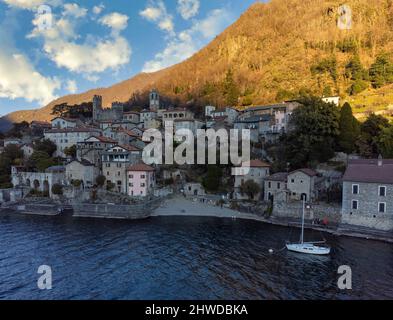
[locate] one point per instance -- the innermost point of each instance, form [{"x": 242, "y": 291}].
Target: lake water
[{"x": 181, "y": 258}]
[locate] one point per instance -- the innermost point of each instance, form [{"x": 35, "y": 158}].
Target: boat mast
[{"x": 302, "y": 234}]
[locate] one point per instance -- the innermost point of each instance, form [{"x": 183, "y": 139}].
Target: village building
[
  {"x": 132, "y": 116},
  {"x": 154, "y": 100},
  {"x": 274, "y": 184},
  {"x": 258, "y": 125},
  {"x": 40, "y": 181},
  {"x": 91, "y": 149},
  {"x": 304, "y": 184},
  {"x": 194, "y": 189},
  {"x": 141, "y": 180},
  {"x": 209, "y": 110},
  {"x": 335, "y": 100},
  {"x": 115, "y": 113},
  {"x": 40, "y": 125},
  {"x": 64, "y": 123},
  {"x": 12, "y": 141},
  {"x": 177, "y": 113},
  {"x": 368, "y": 193},
  {"x": 83, "y": 171},
  {"x": 189, "y": 124},
  {"x": 66, "y": 138},
  {"x": 258, "y": 172},
  {"x": 28, "y": 150},
  {"x": 115, "y": 162}
]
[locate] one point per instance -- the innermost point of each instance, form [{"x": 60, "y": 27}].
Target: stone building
[
  {"x": 92, "y": 148},
  {"x": 368, "y": 194},
  {"x": 259, "y": 170},
  {"x": 274, "y": 184},
  {"x": 41, "y": 181},
  {"x": 115, "y": 162},
  {"x": 194, "y": 189},
  {"x": 154, "y": 98},
  {"x": 141, "y": 180},
  {"x": 304, "y": 184},
  {"x": 83, "y": 171},
  {"x": 115, "y": 113}
]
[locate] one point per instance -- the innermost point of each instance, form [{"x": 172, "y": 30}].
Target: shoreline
[{"x": 186, "y": 207}]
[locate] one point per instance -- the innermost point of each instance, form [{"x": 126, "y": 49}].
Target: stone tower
[
  {"x": 97, "y": 107},
  {"x": 154, "y": 100}
]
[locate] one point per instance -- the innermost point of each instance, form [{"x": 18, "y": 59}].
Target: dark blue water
[{"x": 180, "y": 258}]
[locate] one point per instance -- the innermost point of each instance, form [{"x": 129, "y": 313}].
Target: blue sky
[{"x": 80, "y": 45}]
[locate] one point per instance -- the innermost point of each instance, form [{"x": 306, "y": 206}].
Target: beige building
[
  {"x": 274, "y": 184},
  {"x": 301, "y": 184},
  {"x": 84, "y": 171},
  {"x": 115, "y": 162},
  {"x": 258, "y": 172}
]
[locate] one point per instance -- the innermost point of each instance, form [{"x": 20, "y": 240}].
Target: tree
[
  {"x": 385, "y": 142},
  {"x": 381, "y": 71},
  {"x": 250, "y": 188},
  {"x": 46, "y": 146},
  {"x": 57, "y": 189},
  {"x": 370, "y": 131},
  {"x": 70, "y": 152},
  {"x": 40, "y": 161},
  {"x": 213, "y": 177},
  {"x": 349, "y": 129},
  {"x": 315, "y": 132},
  {"x": 11, "y": 155},
  {"x": 100, "y": 181},
  {"x": 231, "y": 91}
]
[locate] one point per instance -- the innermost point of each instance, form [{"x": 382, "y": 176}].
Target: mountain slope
[{"x": 269, "y": 50}]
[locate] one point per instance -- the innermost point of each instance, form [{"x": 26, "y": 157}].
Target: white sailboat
[{"x": 307, "y": 247}]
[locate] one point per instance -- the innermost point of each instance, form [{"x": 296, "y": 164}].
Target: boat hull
[{"x": 308, "y": 249}]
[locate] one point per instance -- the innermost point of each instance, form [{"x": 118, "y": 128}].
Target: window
[
  {"x": 278, "y": 185},
  {"x": 382, "y": 207},
  {"x": 293, "y": 180},
  {"x": 355, "y": 205},
  {"x": 355, "y": 189},
  {"x": 143, "y": 176},
  {"x": 270, "y": 185},
  {"x": 143, "y": 185},
  {"x": 382, "y": 191}
]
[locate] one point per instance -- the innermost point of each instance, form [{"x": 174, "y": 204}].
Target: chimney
[{"x": 380, "y": 161}]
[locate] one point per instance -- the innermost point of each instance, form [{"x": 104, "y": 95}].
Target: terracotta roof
[
  {"x": 280, "y": 176},
  {"x": 140, "y": 167},
  {"x": 128, "y": 132},
  {"x": 103, "y": 139},
  {"x": 370, "y": 173},
  {"x": 80, "y": 129},
  {"x": 259, "y": 164},
  {"x": 307, "y": 171},
  {"x": 128, "y": 147}
]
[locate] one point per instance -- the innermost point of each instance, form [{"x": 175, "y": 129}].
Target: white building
[
  {"x": 334, "y": 100},
  {"x": 209, "y": 110},
  {"x": 64, "y": 123},
  {"x": 66, "y": 138}
]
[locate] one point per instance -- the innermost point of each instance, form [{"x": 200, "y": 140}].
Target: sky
[{"x": 51, "y": 48}]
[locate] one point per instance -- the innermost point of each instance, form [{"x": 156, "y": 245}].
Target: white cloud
[
  {"x": 19, "y": 79},
  {"x": 89, "y": 58},
  {"x": 115, "y": 20},
  {"x": 98, "y": 9},
  {"x": 71, "y": 86},
  {"x": 156, "y": 12},
  {"x": 63, "y": 44},
  {"x": 31, "y": 4},
  {"x": 189, "y": 41},
  {"x": 72, "y": 9},
  {"x": 188, "y": 8}
]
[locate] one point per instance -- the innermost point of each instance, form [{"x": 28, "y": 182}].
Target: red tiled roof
[
  {"x": 103, "y": 139},
  {"x": 280, "y": 176},
  {"x": 140, "y": 167},
  {"x": 370, "y": 173},
  {"x": 128, "y": 147},
  {"x": 307, "y": 171},
  {"x": 259, "y": 164},
  {"x": 77, "y": 129}
]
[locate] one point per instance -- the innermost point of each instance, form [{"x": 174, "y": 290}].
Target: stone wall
[
  {"x": 131, "y": 212},
  {"x": 382, "y": 222},
  {"x": 293, "y": 210}
]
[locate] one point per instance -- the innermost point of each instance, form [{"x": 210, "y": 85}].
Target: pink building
[{"x": 141, "y": 180}]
